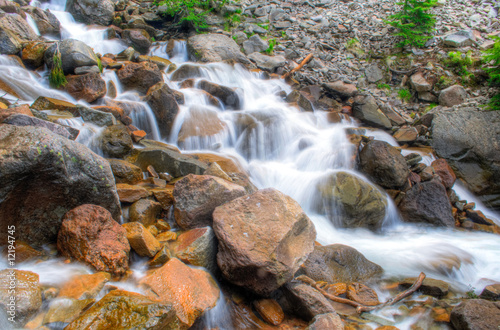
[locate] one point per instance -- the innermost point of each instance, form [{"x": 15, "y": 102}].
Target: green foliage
[
  {"x": 383, "y": 86},
  {"x": 187, "y": 12},
  {"x": 264, "y": 26},
  {"x": 414, "y": 23},
  {"x": 56, "y": 76},
  {"x": 470, "y": 294},
  {"x": 351, "y": 43},
  {"x": 492, "y": 58},
  {"x": 404, "y": 94},
  {"x": 460, "y": 63},
  {"x": 99, "y": 64},
  {"x": 270, "y": 49},
  {"x": 232, "y": 20},
  {"x": 444, "y": 82}
]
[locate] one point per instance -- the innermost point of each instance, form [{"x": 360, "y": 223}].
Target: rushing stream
[{"x": 284, "y": 148}]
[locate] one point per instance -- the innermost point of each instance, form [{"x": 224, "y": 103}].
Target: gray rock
[
  {"x": 46, "y": 22},
  {"x": 162, "y": 101},
  {"x": 281, "y": 25},
  {"x": 491, "y": 292},
  {"x": 373, "y": 73},
  {"x": 453, "y": 95},
  {"x": 366, "y": 109},
  {"x": 214, "y": 48},
  {"x": 255, "y": 44},
  {"x": 460, "y": 39},
  {"x": 23, "y": 120},
  {"x": 17, "y": 26},
  {"x": 74, "y": 54},
  {"x": 341, "y": 89},
  {"x": 305, "y": 301},
  {"x": 228, "y": 96},
  {"x": 99, "y": 118},
  {"x": 116, "y": 141},
  {"x": 187, "y": 71},
  {"x": 476, "y": 314},
  {"x": 9, "y": 43},
  {"x": 92, "y": 11},
  {"x": 276, "y": 15},
  {"x": 240, "y": 37},
  {"x": 326, "y": 321},
  {"x": 87, "y": 69},
  {"x": 302, "y": 100},
  {"x": 269, "y": 63},
  {"x": 419, "y": 83},
  {"x": 48, "y": 176},
  {"x": 138, "y": 39}
]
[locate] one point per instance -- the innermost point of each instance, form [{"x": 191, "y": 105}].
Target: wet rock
[
  {"x": 190, "y": 291},
  {"x": 161, "y": 62},
  {"x": 187, "y": 71},
  {"x": 366, "y": 109},
  {"x": 275, "y": 224},
  {"x": 362, "y": 204},
  {"x": 32, "y": 54},
  {"x": 115, "y": 141},
  {"x": 86, "y": 286},
  {"x": 460, "y": 39},
  {"x": 88, "y": 87},
  {"x": 46, "y": 22},
  {"x": 228, "y": 96},
  {"x": 139, "y": 76},
  {"x": 10, "y": 44},
  {"x": 305, "y": 301},
  {"x": 138, "y": 39},
  {"x": 427, "y": 202},
  {"x": 214, "y": 48},
  {"x": 197, "y": 247},
  {"x": 215, "y": 170},
  {"x": 445, "y": 172},
  {"x": 197, "y": 196},
  {"x": 24, "y": 120},
  {"x": 430, "y": 286},
  {"x": 453, "y": 95},
  {"x": 126, "y": 310},
  {"x": 27, "y": 294},
  {"x": 373, "y": 73},
  {"x": 141, "y": 240},
  {"x": 326, "y": 321},
  {"x": 24, "y": 252},
  {"x": 65, "y": 310},
  {"x": 97, "y": 117},
  {"x": 92, "y": 11},
  {"x": 74, "y": 54},
  {"x": 268, "y": 63},
  {"x": 269, "y": 310},
  {"x": 491, "y": 292},
  {"x": 162, "y": 100},
  {"x": 18, "y": 27},
  {"x": 302, "y": 100},
  {"x": 145, "y": 211},
  {"x": 255, "y": 44},
  {"x": 476, "y": 314},
  {"x": 49, "y": 176},
  {"x": 20, "y": 110},
  {"x": 47, "y": 103},
  {"x": 129, "y": 193},
  {"x": 472, "y": 151},
  {"x": 340, "y": 89},
  {"x": 125, "y": 172},
  {"x": 406, "y": 134},
  {"x": 362, "y": 294},
  {"x": 200, "y": 122},
  {"x": 90, "y": 235},
  {"x": 384, "y": 164},
  {"x": 165, "y": 196},
  {"x": 339, "y": 263}
]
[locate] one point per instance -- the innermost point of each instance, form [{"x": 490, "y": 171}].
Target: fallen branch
[
  {"x": 304, "y": 62},
  {"x": 397, "y": 298}
]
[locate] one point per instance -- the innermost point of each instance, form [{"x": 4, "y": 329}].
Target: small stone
[
  {"x": 129, "y": 193},
  {"x": 141, "y": 240},
  {"x": 362, "y": 294},
  {"x": 431, "y": 287},
  {"x": 270, "y": 311}
]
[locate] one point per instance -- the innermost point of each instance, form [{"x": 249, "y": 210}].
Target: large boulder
[
  {"x": 74, "y": 54},
  {"x": 18, "y": 26},
  {"x": 140, "y": 76},
  {"x": 366, "y": 109},
  {"x": 115, "y": 141},
  {"x": 10, "y": 44},
  {"x": 453, "y": 95},
  {"x": 427, "y": 202},
  {"x": 138, "y": 39},
  {"x": 197, "y": 196},
  {"x": 384, "y": 164},
  {"x": 121, "y": 309},
  {"x": 339, "y": 263},
  {"x": 351, "y": 202},
  {"x": 88, "y": 87},
  {"x": 228, "y": 96},
  {"x": 92, "y": 11},
  {"x": 472, "y": 151},
  {"x": 46, "y": 22},
  {"x": 214, "y": 48},
  {"x": 89, "y": 234},
  {"x": 476, "y": 314},
  {"x": 162, "y": 100},
  {"x": 190, "y": 291},
  {"x": 44, "y": 176},
  {"x": 25, "y": 120},
  {"x": 263, "y": 239}
]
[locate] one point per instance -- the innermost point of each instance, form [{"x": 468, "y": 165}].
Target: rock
[
  {"x": 161, "y": 62},
  {"x": 138, "y": 39},
  {"x": 269, "y": 232},
  {"x": 47, "y": 103},
  {"x": 46, "y": 22},
  {"x": 268, "y": 63},
  {"x": 89, "y": 234},
  {"x": 373, "y": 73},
  {"x": 427, "y": 202},
  {"x": 197, "y": 247},
  {"x": 96, "y": 117},
  {"x": 190, "y": 291},
  {"x": 74, "y": 54},
  {"x": 165, "y": 196},
  {"x": 169, "y": 161},
  {"x": 430, "y": 286},
  {"x": 214, "y": 48},
  {"x": 255, "y": 44},
  {"x": 228, "y": 96},
  {"x": 200, "y": 122},
  {"x": 339, "y": 263},
  {"x": 215, "y": 170},
  {"x": 32, "y": 54},
  {"x": 458, "y": 39},
  {"x": 145, "y": 211},
  {"x": 472, "y": 151},
  {"x": 384, "y": 164},
  {"x": 326, "y": 321},
  {"x": 419, "y": 83},
  {"x": 301, "y": 99},
  {"x": 125, "y": 172},
  {"x": 129, "y": 193},
  {"x": 445, "y": 172},
  {"x": 187, "y": 71},
  {"x": 88, "y": 87},
  {"x": 366, "y": 109},
  {"x": 453, "y": 95},
  {"x": 18, "y": 27},
  {"x": 341, "y": 89},
  {"x": 305, "y": 301},
  {"x": 20, "y": 110},
  {"x": 25, "y": 120},
  {"x": 24, "y": 287},
  {"x": 126, "y": 310},
  {"x": 141, "y": 240},
  {"x": 116, "y": 141},
  {"x": 406, "y": 134},
  {"x": 24, "y": 252},
  {"x": 162, "y": 101},
  {"x": 363, "y": 205},
  {"x": 86, "y": 286},
  {"x": 197, "y": 196},
  {"x": 491, "y": 292},
  {"x": 362, "y": 294},
  {"x": 92, "y": 11},
  {"x": 65, "y": 310},
  {"x": 269, "y": 310},
  {"x": 49, "y": 176},
  {"x": 139, "y": 76},
  {"x": 10, "y": 44},
  {"x": 476, "y": 314}
]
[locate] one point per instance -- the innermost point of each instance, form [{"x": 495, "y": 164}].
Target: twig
[{"x": 304, "y": 62}]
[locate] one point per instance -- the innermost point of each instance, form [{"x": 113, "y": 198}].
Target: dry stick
[
  {"x": 397, "y": 298},
  {"x": 304, "y": 62}
]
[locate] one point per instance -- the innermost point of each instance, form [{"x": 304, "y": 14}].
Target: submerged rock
[{"x": 162, "y": 100}]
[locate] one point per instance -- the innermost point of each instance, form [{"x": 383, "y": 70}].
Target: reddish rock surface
[
  {"x": 88, "y": 87},
  {"x": 139, "y": 76},
  {"x": 86, "y": 286},
  {"x": 270, "y": 311},
  {"x": 197, "y": 247},
  {"x": 22, "y": 109},
  {"x": 445, "y": 171},
  {"x": 141, "y": 240}
]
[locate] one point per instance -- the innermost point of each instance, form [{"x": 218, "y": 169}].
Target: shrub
[
  {"x": 414, "y": 22},
  {"x": 404, "y": 94},
  {"x": 270, "y": 49},
  {"x": 461, "y": 64},
  {"x": 56, "y": 76},
  {"x": 187, "y": 12},
  {"x": 492, "y": 58}
]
